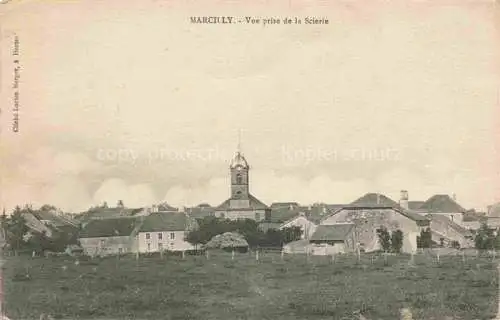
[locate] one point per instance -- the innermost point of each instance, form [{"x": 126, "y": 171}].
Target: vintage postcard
[{"x": 285, "y": 160}]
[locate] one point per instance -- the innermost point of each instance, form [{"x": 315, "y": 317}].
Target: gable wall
[{"x": 367, "y": 221}]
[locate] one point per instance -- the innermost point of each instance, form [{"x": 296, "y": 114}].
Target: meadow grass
[{"x": 221, "y": 288}]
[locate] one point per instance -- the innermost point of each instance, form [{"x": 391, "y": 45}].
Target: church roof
[
  {"x": 254, "y": 204},
  {"x": 239, "y": 160}
]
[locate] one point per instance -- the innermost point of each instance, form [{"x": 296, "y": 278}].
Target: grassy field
[{"x": 243, "y": 288}]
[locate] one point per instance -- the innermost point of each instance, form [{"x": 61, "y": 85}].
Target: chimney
[
  {"x": 454, "y": 197},
  {"x": 403, "y": 201}
]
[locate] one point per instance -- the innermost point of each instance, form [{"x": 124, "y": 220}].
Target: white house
[
  {"x": 165, "y": 231},
  {"x": 307, "y": 226}
]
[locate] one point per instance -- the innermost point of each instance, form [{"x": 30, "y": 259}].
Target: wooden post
[
  {"x": 257, "y": 255},
  {"x": 437, "y": 257},
  {"x": 207, "y": 254},
  {"x": 333, "y": 258},
  {"x": 183, "y": 254},
  {"x": 494, "y": 254},
  {"x": 463, "y": 256},
  {"x": 358, "y": 252},
  {"x": 161, "y": 254},
  {"x": 232, "y": 255},
  {"x": 385, "y": 258},
  {"x": 282, "y": 254},
  {"x": 137, "y": 255}
]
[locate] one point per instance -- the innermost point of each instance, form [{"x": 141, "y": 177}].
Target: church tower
[{"x": 239, "y": 177}]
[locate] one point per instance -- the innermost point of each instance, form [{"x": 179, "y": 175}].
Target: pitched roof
[
  {"x": 441, "y": 203},
  {"x": 414, "y": 205},
  {"x": 334, "y": 232},
  {"x": 409, "y": 214},
  {"x": 107, "y": 213},
  {"x": 113, "y": 227},
  {"x": 374, "y": 199},
  {"x": 164, "y": 221},
  {"x": 284, "y": 204},
  {"x": 166, "y": 207},
  {"x": 200, "y": 212},
  {"x": 449, "y": 223},
  {"x": 282, "y": 214},
  {"x": 254, "y": 204}
]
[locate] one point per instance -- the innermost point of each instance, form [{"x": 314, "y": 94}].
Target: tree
[
  {"x": 291, "y": 234},
  {"x": 384, "y": 238},
  {"x": 485, "y": 238},
  {"x": 397, "y": 241},
  {"x": 16, "y": 229},
  {"x": 425, "y": 239},
  {"x": 120, "y": 204}
]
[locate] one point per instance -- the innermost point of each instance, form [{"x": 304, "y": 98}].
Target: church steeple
[{"x": 239, "y": 173}]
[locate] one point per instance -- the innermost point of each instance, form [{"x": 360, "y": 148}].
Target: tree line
[{"x": 209, "y": 227}]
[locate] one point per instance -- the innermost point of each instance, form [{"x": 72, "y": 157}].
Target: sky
[{"x": 130, "y": 101}]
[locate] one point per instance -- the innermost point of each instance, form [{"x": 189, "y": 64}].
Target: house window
[
  {"x": 160, "y": 246},
  {"x": 222, "y": 215},
  {"x": 160, "y": 236},
  {"x": 172, "y": 235},
  {"x": 148, "y": 236},
  {"x": 149, "y": 246},
  {"x": 257, "y": 216},
  {"x": 120, "y": 250}
]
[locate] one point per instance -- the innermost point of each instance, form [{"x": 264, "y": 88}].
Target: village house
[
  {"x": 447, "y": 233},
  {"x": 333, "y": 239},
  {"x": 100, "y": 237},
  {"x": 165, "y": 232},
  {"x": 444, "y": 205},
  {"x": 241, "y": 204},
  {"x": 373, "y": 211}
]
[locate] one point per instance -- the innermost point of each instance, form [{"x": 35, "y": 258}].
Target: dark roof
[
  {"x": 441, "y": 203},
  {"x": 166, "y": 207},
  {"x": 107, "y": 213},
  {"x": 414, "y": 205},
  {"x": 334, "y": 232},
  {"x": 374, "y": 199},
  {"x": 282, "y": 214},
  {"x": 115, "y": 227},
  {"x": 200, "y": 212},
  {"x": 164, "y": 221},
  {"x": 283, "y": 204},
  {"x": 54, "y": 218},
  {"x": 254, "y": 204}
]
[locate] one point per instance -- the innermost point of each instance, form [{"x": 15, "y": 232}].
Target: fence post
[
  {"x": 232, "y": 255},
  {"x": 437, "y": 257},
  {"x": 385, "y": 258},
  {"x": 257, "y": 255},
  {"x": 207, "y": 254},
  {"x": 358, "y": 252},
  {"x": 183, "y": 254},
  {"x": 282, "y": 254},
  {"x": 333, "y": 258}
]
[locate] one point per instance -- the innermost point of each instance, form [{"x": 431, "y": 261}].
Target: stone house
[
  {"x": 333, "y": 239},
  {"x": 101, "y": 237},
  {"x": 165, "y": 232},
  {"x": 373, "y": 211}
]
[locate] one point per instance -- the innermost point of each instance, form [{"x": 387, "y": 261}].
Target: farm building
[
  {"x": 165, "y": 231},
  {"x": 109, "y": 236},
  {"x": 333, "y": 239}
]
